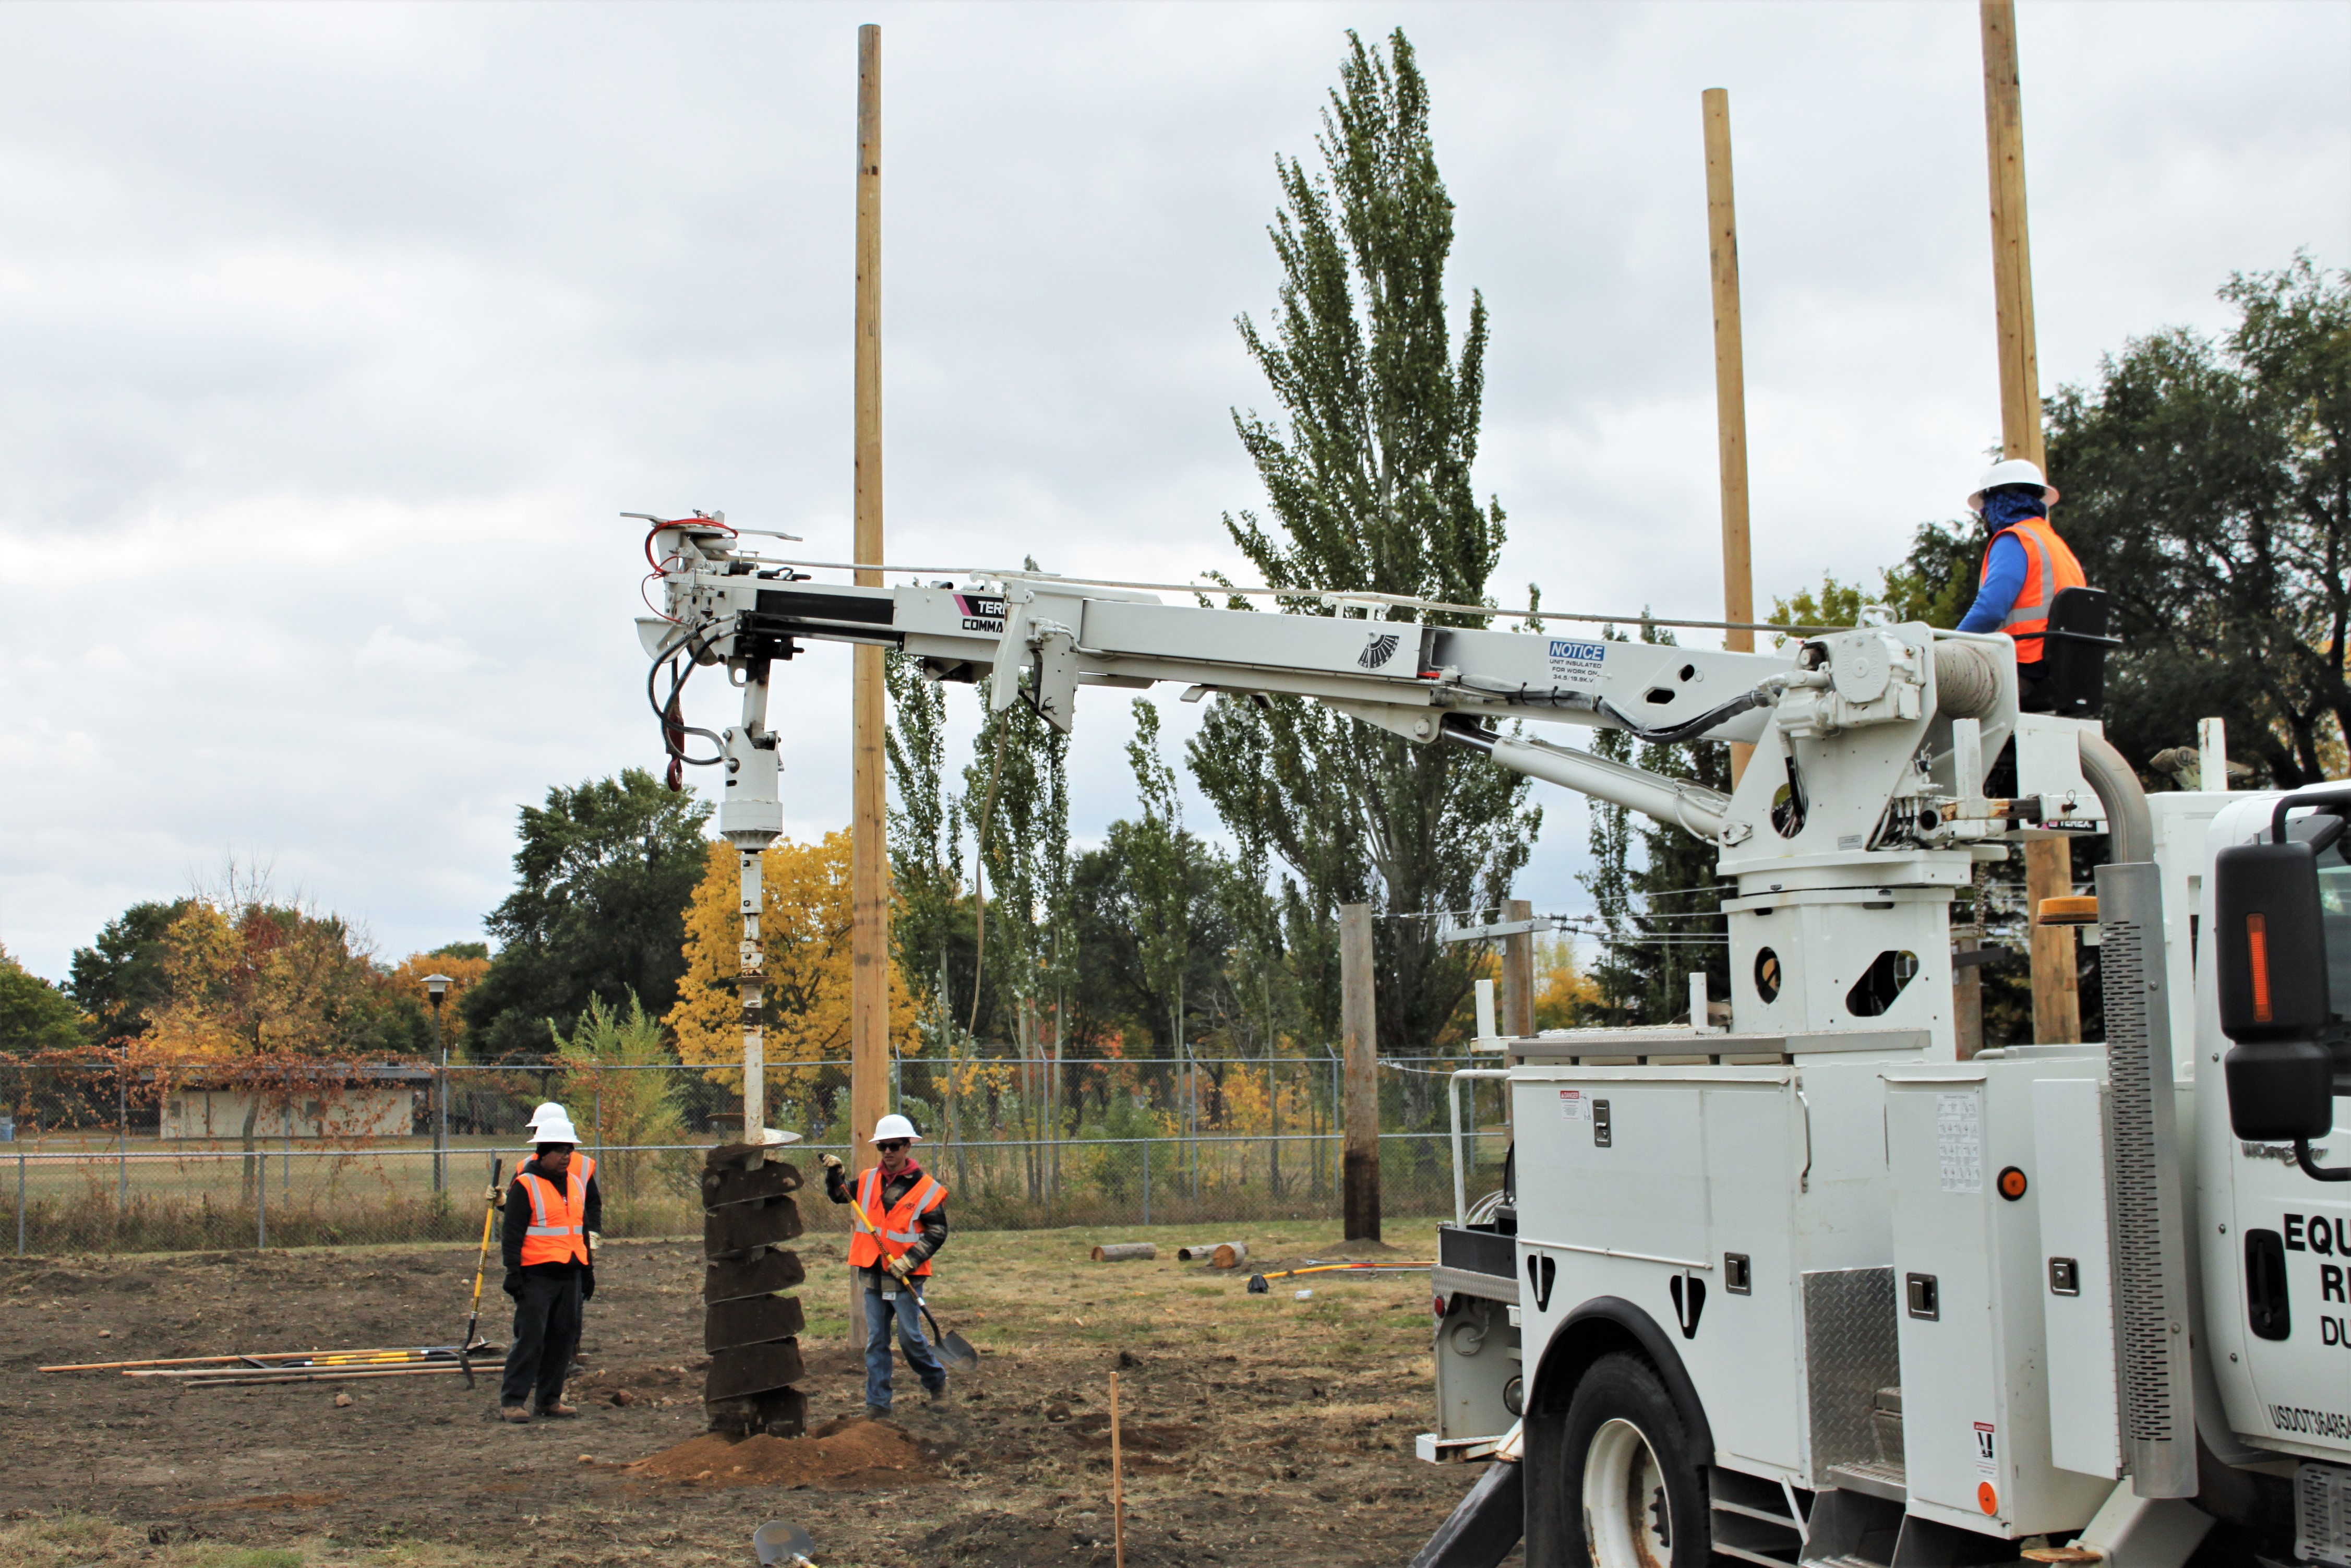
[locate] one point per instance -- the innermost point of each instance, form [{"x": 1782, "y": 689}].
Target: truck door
[{"x": 2293, "y": 1238}]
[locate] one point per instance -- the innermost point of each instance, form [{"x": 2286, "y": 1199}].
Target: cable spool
[{"x": 1966, "y": 680}]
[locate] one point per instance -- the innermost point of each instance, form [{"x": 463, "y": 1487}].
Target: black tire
[{"x": 1668, "y": 1493}]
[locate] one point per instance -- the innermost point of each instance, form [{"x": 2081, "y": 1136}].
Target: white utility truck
[{"x": 1812, "y": 1289}]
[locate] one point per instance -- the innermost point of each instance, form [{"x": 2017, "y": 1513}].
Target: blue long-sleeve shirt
[{"x": 1997, "y": 595}]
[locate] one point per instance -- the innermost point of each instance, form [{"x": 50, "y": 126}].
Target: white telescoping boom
[{"x": 1813, "y": 1289}]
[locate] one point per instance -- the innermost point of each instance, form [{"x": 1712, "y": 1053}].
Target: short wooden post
[
  {"x": 1358, "y": 1026},
  {"x": 1967, "y": 993},
  {"x": 1730, "y": 385},
  {"x": 1117, "y": 1483}
]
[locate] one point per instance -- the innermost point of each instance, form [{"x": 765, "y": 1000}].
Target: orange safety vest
[
  {"x": 894, "y": 1228},
  {"x": 2048, "y": 565},
  {"x": 557, "y": 1232}
]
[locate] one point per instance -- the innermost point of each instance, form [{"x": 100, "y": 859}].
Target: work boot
[
  {"x": 516, "y": 1414},
  {"x": 939, "y": 1396},
  {"x": 557, "y": 1409},
  {"x": 877, "y": 1412}
]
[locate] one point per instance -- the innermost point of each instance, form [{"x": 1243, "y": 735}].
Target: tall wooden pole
[
  {"x": 2048, "y": 862},
  {"x": 1359, "y": 1200},
  {"x": 1730, "y": 385},
  {"x": 869, "y": 890}
]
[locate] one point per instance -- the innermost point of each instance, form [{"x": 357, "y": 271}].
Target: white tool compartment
[
  {"x": 1735, "y": 1193},
  {"x": 1971, "y": 1275}
]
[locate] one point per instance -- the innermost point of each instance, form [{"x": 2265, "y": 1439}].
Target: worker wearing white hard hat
[
  {"x": 553, "y": 1217},
  {"x": 2025, "y": 563},
  {"x": 901, "y": 1222}
]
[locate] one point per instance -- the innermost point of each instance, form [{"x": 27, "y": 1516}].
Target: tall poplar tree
[{"x": 1367, "y": 479}]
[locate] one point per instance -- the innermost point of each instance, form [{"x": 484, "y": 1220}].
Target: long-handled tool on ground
[
  {"x": 1258, "y": 1287},
  {"x": 481, "y": 1264},
  {"x": 954, "y": 1349}
]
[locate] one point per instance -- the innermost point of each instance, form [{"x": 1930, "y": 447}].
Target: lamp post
[{"x": 438, "y": 987}]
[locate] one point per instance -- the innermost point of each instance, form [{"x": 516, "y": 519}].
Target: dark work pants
[{"x": 546, "y": 1333}]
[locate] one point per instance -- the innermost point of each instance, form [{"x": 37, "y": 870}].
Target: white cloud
[{"x": 333, "y": 338}]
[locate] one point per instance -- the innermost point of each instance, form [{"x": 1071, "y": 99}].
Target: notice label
[
  {"x": 1958, "y": 1142},
  {"x": 1987, "y": 1453},
  {"x": 1575, "y": 1105},
  {"x": 1577, "y": 664}
]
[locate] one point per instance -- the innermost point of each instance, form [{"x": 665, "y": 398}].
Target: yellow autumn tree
[{"x": 804, "y": 930}]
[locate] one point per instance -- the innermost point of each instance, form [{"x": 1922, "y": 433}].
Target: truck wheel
[{"x": 1634, "y": 1489}]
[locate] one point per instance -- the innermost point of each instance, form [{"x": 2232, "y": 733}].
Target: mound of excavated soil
[{"x": 845, "y": 1455}]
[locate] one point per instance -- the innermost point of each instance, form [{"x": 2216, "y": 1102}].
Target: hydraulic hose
[{"x": 1667, "y": 734}]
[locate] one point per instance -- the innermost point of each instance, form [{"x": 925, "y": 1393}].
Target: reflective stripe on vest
[
  {"x": 558, "y": 1229},
  {"x": 895, "y": 1229},
  {"x": 2049, "y": 567}
]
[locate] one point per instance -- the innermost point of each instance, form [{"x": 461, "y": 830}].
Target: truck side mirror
[{"x": 2271, "y": 948}]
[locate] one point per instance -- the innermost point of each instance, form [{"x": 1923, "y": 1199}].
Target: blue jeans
[{"x": 906, "y": 1309}]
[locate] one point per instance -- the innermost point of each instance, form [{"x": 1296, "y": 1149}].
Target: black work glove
[
  {"x": 588, "y": 1283},
  {"x": 513, "y": 1286}
]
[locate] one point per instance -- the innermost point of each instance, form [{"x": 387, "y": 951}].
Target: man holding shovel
[{"x": 900, "y": 1219}]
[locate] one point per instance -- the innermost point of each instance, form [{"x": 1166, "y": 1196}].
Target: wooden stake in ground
[
  {"x": 1730, "y": 385},
  {"x": 869, "y": 941},
  {"x": 2048, "y": 862},
  {"x": 1117, "y": 1484},
  {"x": 1358, "y": 1028}
]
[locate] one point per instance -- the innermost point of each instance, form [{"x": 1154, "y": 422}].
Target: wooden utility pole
[
  {"x": 1729, "y": 386},
  {"x": 869, "y": 891},
  {"x": 2048, "y": 862},
  {"x": 1359, "y": 1033},
  {"x": 1518, "y": 971}
]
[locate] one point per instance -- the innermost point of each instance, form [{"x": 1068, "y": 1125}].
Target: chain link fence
[{"x": 200, "y": 1159}]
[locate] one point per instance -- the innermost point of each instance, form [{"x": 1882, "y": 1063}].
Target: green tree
[
  {"x": 1368, "y": 484},
  {"x": 605, "y": 873},
  {"x": 2207, "y": 490},
  {"x": 622, "y": 1107},
  {"x": 34, "y": 1016},
  {"x": 118, "y": 979}
]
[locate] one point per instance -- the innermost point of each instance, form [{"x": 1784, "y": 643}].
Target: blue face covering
[{"x": 2007, "y": 504}]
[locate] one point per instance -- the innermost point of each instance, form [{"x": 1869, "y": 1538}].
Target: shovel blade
[
  {"x": 779, "y": 1541},
  {"x": 958, "y": 1353}
]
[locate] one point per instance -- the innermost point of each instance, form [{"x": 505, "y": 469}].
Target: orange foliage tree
[{"x": 804, "y": 931}]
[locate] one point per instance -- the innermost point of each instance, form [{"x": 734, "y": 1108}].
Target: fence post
[
  {"x": 1147, "y": 1144},
  {"x": 123, "y": 1137},
  {"x": 599, "y": 1118},
  {"x": 261, "y": 1209},
  {"x": 20, "y": 1193}
]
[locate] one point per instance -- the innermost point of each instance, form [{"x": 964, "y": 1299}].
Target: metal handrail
[{"x": 1453, "y": 1105}]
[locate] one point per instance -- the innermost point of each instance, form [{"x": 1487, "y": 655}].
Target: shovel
[
  {"x": 952, "y": 1348},
  {"x": 778, "y": 1541}
]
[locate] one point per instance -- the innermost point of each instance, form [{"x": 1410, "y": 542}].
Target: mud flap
[{"x": 1481, "y": 1533}]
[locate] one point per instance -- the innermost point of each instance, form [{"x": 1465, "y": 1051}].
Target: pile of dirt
[{"x": 846, "y": 1455}]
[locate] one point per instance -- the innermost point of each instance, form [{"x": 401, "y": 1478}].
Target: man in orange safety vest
[
  {"x": 553, "y": 1217},
  {"x": 2024, "y": 565},
  {"x": 905, "y": 1214}
]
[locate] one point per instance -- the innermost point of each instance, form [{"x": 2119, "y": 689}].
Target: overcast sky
[{"x": 332, "y": 339}]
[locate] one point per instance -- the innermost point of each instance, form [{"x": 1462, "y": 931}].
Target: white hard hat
[
  {"x": 551, "y": 1123},
  {"x": 894, "y": 1126},
  {"x": 2014, "y": 471}
]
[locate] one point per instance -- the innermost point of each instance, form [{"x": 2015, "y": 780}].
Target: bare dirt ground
[{"x": 1258, "y": 1429}]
